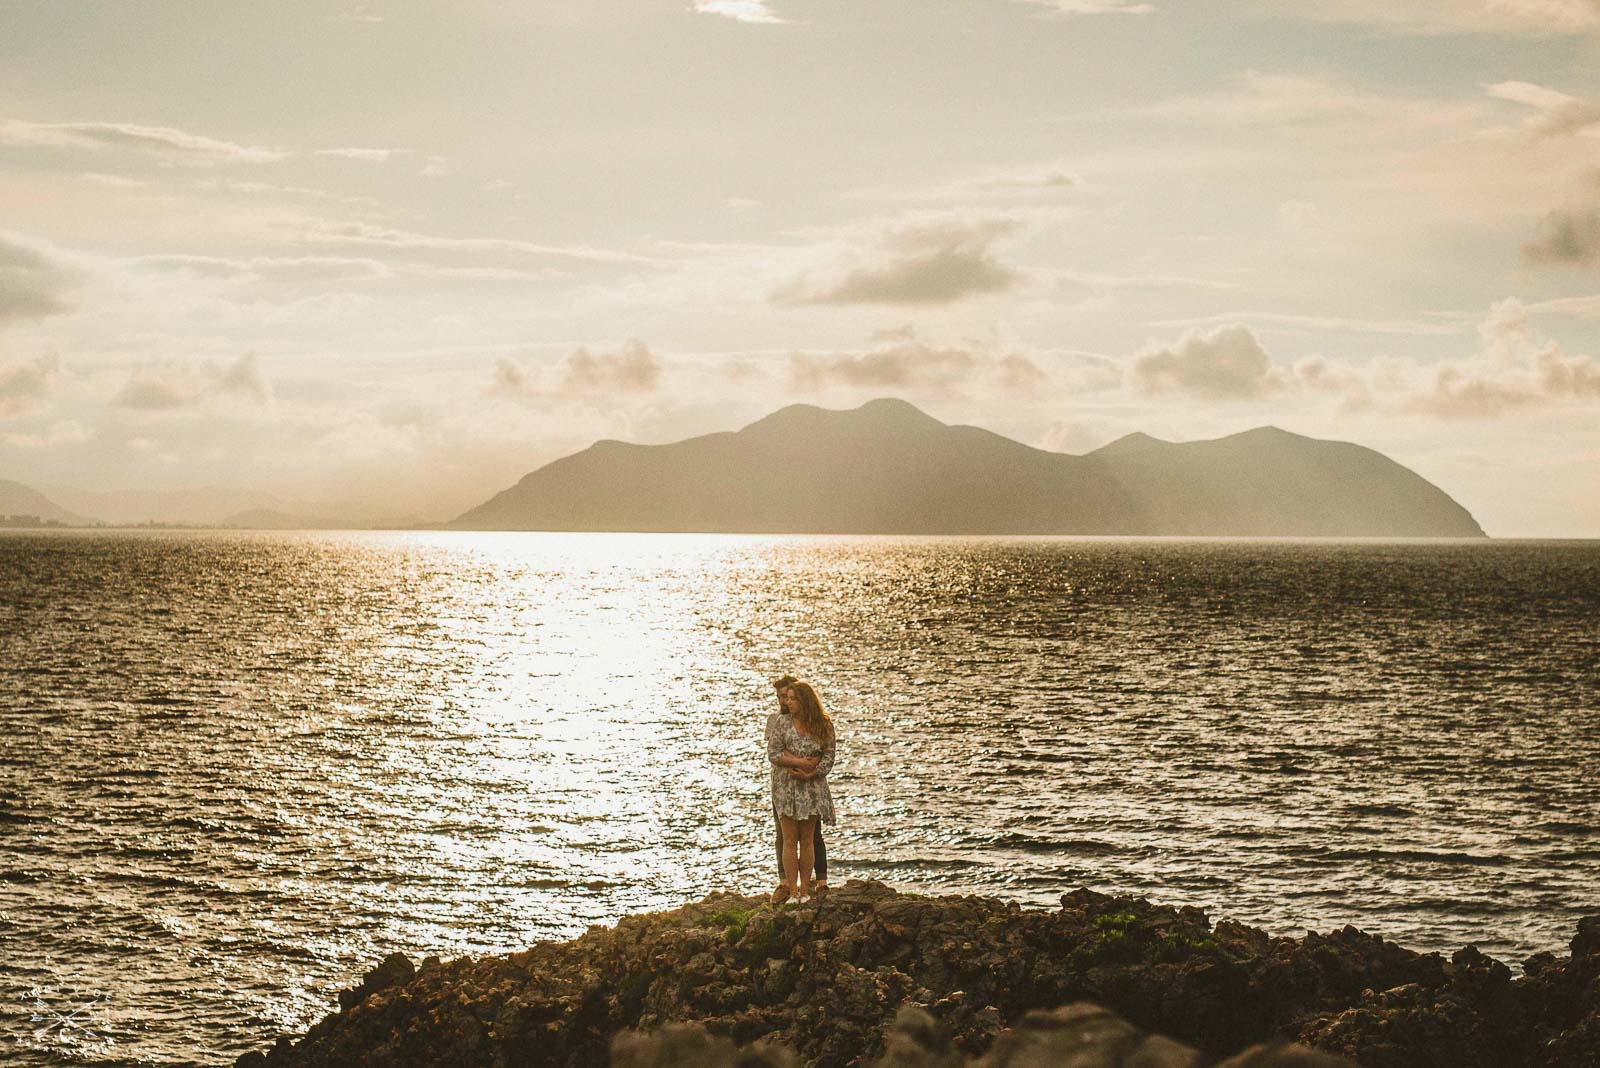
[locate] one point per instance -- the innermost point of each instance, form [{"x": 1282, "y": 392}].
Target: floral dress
[{"x": 801, "y": 800}]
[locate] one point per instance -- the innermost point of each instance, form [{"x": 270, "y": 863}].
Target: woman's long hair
[{"x": 809, "y": 718}]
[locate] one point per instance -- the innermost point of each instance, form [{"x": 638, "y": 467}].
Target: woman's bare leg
[
  {"x": 807, "y": 830},
  {"x": 791, "y": 857}
]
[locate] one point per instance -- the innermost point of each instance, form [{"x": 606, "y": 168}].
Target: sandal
[
  {"x": 819, "y": 890},
  {"x": 781, "y": 894}
]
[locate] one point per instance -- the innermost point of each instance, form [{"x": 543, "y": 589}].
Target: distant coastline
[{"x": 882, "y": 468}]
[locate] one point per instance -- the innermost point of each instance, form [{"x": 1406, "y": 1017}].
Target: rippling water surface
[{"x": 238, "y": 769}]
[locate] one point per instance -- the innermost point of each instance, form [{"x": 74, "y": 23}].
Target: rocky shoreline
[{"x": 873, "y": 976}]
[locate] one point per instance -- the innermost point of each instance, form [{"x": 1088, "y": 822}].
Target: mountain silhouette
[
  {"x": 19, "y": 500},
  {"x": 889, "y": 468}
]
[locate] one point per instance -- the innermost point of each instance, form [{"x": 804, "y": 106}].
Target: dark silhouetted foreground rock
[
  {"x": 1074, "y": 1036},
  {"x": 871, "y": 975}
]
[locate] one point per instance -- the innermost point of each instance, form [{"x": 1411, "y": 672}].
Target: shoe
[
  {"x": 780, "y": 895},
  {"x": 805, "y": 891},
  {"x": 819, "y": 890}
]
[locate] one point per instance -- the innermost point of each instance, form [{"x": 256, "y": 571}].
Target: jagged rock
[
  {"x": 395, "y": 969},
  {"x": 827, "y": 979}
]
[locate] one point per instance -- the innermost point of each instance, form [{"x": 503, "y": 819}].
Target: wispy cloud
[
  {"x": 1095, "y": 7},
  {"x": 1519, "y": 18},
  {"x": 211, "y": 185},
  {"x": 1271, "y": 97},
  {"x": 1577, "y": 307},
  {"x": 1561, "y": 114},
  {"x": 364, "y": 155},
  {"x": 172, "y": 145},
  {"x": 755, "y": 11},
  {"x": 1018, "y": 182},
  {"x": 366, "y": 235},
  {"x": 1329, "y": 323}
]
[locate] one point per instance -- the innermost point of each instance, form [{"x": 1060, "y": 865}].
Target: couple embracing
[{"x": 800, "y": 745}]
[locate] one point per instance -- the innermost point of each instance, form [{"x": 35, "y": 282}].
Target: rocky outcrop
[{"x": 871, "y": 975}]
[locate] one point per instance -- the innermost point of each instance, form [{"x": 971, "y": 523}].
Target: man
[{"x": 786, "y": 702}]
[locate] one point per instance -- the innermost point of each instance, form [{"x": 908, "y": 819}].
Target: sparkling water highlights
[{"x": 240, "y": 768}]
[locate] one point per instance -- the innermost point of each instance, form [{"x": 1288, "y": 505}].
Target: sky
[{"x": 393, "y": 255}]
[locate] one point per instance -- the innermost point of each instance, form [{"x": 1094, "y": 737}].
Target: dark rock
[
  {"x": 692, "y": 1046},
  {"x": 872, "y": 975},
  {"x": 917, "y": 1040},
  {"x": 394, "y": 970},
  {"x": 1278, "y": 1055}
]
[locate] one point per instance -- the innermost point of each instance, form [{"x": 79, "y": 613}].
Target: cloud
[
  {"x": 1459, "y": 394},
  {"x": 900, "y": 360},
  {"x": 1534, "y": 96},
  {"x": 33, "y": 285},
  {"x": 330, "y": 232},
  {"x": 1267, "y": 98},
  {"x": 1514, "y": 367},
  {"x": 1226, "y": 364},
  {"x": 270, "y": 189},
  {"x": 912, "y": 365},
  {"x": 1560, "y": 114},
  {"x": 1332, "y": 323},
  {"x": 171, "y": 384},
  {"x": 1577, "y": 307},
  {"x": 112, "y": 181},
  {"x": 1566, "y": 238},
  {"x": 512, "y": 379},
  {"x": 24, "y": 383},
  {"x": 1018, "y": 374},
  {"x": 1520, "y": 18},
  {"x": 176, "y": 146},
  {"x": 1095, "y": 7},
  {"x": 1016, "y": 183},
  {"x": 292, "y": 269},
  {"x": 62, "y": 433},
  {"x": 754, "y": 11},
  {"x": 633, "y": 369},
  {"x": 928, "y": 260},
  {"x": 364, "y": 155}
]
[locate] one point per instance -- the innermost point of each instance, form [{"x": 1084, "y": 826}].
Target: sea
[{"x": 240, "y": 768}]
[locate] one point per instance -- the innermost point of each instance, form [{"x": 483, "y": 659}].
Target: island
[{"x": 889, "y": 468}]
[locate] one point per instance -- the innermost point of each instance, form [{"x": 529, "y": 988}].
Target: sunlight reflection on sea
[{"x": 256, "y": 763}]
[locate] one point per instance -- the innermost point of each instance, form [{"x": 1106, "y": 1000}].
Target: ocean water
[{"x": 238, "y": 769}]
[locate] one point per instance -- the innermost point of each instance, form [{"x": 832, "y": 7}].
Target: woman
[
  {"x": 800, "y": 747},
  {"x": 819, "y": 886}
]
